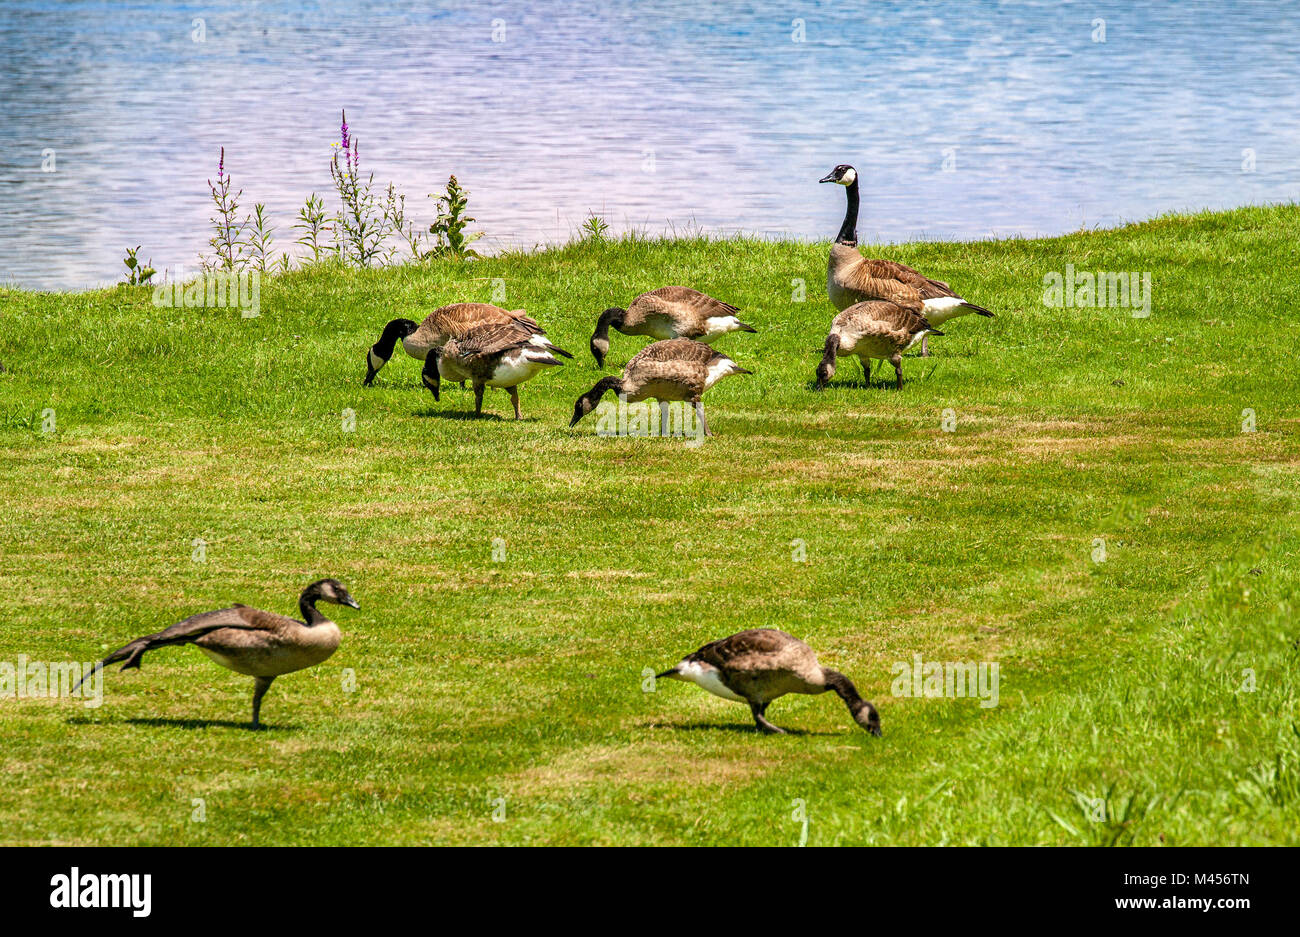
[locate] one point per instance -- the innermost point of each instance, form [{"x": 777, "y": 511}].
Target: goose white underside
[
  {"x": 708, "y": 677},
  {"x": 717, "y": 326},
  {"x": 939, "y": 311},
  {"x": 520, "y": 366}
]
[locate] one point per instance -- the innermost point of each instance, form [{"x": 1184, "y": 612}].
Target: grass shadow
[
  {"x": 457, "y": 415},
  {"x": 163, "y": 722},
  {"x": 741, "y": 728}
]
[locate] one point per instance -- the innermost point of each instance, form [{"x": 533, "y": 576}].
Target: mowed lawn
[{"x": 1148, "y": 698}]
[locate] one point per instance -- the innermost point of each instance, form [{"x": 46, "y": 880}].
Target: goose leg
[
  {"x": 763, "y": 725},
  {"x": 867, "y": 365},
  {"x": 925, "y": 351},
  {"x": 699, "y": 411},
  {"x": 663, "y": 418},
  {"x": 514, "y": 398},
  {"x": 897, "y": 362},
  {"x": 260, "y": 686},
  {"x": 478, "y": 399}
]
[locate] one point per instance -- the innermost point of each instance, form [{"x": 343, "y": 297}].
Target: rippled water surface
[{"x": 966, "y": 120}]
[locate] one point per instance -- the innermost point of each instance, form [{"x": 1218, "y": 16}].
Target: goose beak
[
  {"x": 829, "y": 177},
  {"x": 352, "y": 603}
]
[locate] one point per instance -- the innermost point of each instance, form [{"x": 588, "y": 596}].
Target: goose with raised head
[
  {"x": 852, "y": 278},
  {"x": 871, "y": 330},
  {"x": 501, "y": 355},
  {"x": 262, "y": 645},
  {"x": 442, "y": 325},
  {"x": 665, "y": 313},
  {"x": 762, "y": 664},
  {"x": 678, "y": 369}
]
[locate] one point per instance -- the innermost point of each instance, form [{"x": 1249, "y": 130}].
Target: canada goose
[
  {"x": 757, "y": 666},
  {"x": 442, "y": 325},
  {"x": 261, "y": 644},
  {"x": 668, "y": 312},
  {"x": 852, "y": 278},
  {"x": 677, "y": 369},
  {"x": 870, "y": 330},
  {"x": 490, "y": 356}
]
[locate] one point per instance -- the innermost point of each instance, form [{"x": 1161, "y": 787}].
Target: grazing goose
[
  {"x": 872, "y": 330},
  {"x": 501, "y": 355},
  {"x": 757, "y": 666},
  {"x": 668, "y": 312},
  {"x": 439, "y": 327},
  {"x": 677, "y": 369},
  {"x": 852, "y": 278},
  {"x": 261, "y": 644}
]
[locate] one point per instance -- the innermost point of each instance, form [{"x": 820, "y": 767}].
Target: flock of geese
[{"x": 885, "y": 308}]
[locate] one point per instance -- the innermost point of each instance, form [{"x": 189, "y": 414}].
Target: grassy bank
[{"x": 1149, "y": 698}]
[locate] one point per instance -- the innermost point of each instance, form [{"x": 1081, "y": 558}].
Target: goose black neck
[
  {"x": 606, "y": 384},
  {"x": 830, "y": 350},
  {"x": 398, "y": 328},
  {"x": 307, "y": 606},
  {"x": 613, "y": 316},
  {"x": 844, "y": 689},
  {"x": 849, "y": 230}
]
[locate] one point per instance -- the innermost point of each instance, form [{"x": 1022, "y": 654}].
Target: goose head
[
  {"x": 865, "y": 715},
  {"x": 581, "y": 408},
  {"x": 379, "y": 353},
  {"x": 843, "y": 174},
  {"x": 587, "y": 402},
  {"x": 613, "y": 316},
  {"x": 330, "y": 590},
  {"x": 825, "y": 371}
]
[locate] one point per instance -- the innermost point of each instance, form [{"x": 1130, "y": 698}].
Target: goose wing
[
  {"x": 893, "y": 270},
  {"x": 255, "y": 625},
  {"x": 678, "y": 350},
  {"x": 488, "y": 341},
  {"x": 878, "y": 316},
  {"x": 682, "y": 301},
  {"x": 456, "y": 319},
  {"x": 753, "y": 650}
]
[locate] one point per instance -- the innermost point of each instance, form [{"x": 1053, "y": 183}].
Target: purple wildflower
[{"x": 221, "y": 164}]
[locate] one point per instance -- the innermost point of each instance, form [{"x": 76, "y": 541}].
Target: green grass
[{"x": 1122, "y": 717}]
